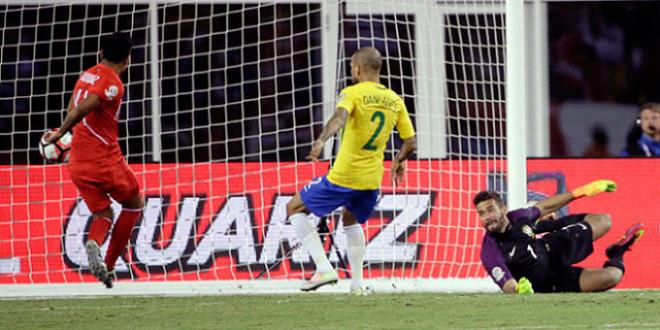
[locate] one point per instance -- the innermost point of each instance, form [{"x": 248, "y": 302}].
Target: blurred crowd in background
[
  {"x": 604, "y": 63},
  {"x": 244, "y": 82}
]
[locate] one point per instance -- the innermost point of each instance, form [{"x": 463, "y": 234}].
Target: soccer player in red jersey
[{"x": 96, "y": 165}]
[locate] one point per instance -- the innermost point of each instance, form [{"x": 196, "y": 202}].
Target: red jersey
[{"x": 96, "y": 135}]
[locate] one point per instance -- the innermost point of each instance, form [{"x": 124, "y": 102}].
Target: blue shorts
[{"x": 321, "y": 197}]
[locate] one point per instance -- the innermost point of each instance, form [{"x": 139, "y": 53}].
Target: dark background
[{"x": 244, "y": 82}]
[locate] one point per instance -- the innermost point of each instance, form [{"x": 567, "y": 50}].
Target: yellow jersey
[{"x": 373, "y": 111}]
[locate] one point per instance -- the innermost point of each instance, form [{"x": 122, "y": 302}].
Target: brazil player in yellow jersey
[{"x": 368, "y": 112}]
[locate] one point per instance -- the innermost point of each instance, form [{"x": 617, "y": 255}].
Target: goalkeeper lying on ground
[{"x": 520, "y": 262}]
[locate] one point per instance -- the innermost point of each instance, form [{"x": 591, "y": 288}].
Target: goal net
[{"x": 222, "y": 103}]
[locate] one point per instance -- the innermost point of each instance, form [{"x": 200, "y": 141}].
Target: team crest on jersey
[
  {"x": 527, "y": 230},
  {"x": 111, "y": 91},
  {"x": 89, "y": 78},
  {"x": 497, "y": 273}
]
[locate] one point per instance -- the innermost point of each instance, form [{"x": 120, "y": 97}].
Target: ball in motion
[{"x": 58, "y": 152}]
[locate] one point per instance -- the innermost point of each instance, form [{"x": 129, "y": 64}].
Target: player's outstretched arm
[
  {"x": 397, "y": 171},
  {"x": 554, "y": 203},
  {"x": 591, "y": 189},
  {"x": 91, "y": 102},
  {"x": 331, "y": 128}
]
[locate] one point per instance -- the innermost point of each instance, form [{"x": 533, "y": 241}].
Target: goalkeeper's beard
[{"x": 494, "y": 226}]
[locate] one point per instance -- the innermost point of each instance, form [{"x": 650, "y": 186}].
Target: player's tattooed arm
[{"x": 331, "y": 128}]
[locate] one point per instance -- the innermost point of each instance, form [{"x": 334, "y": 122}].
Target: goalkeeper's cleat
[
  {"x": 625, "y": 243},
  {"x": 362, "y": 291},
  {"x": 96, "y": 265},
  {"x": 319, "y": 280}
]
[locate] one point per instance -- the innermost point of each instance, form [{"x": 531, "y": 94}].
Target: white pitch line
[
  {"x": 625, "y": 325},
  {"x": 104, "y": 307}
]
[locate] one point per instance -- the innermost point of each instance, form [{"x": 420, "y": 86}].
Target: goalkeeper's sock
[
  {"x": 311, "y": 241},
  {"x": 355, "y": 253},
  {"x": 616, "y": 263},
  {"x": 99, "y": 228},
  {"x": 121, "y": 233}
]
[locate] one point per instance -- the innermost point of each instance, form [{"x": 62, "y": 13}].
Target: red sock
[
  {"x": 99, "y": 229},
  {"x": 120, "y": 235}
]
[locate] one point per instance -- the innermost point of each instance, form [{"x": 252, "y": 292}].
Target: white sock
[
  {"x": 311, "y": 241},
  {"x": 355, "y": 253}
]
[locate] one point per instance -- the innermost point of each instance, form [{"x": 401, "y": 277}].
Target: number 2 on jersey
[{"x": 378, "y": 115}]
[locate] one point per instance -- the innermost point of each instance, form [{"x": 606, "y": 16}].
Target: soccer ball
[{"x": 57, "y": 152}]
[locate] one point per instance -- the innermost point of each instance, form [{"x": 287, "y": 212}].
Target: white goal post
[{"x": 223, "y": 100}]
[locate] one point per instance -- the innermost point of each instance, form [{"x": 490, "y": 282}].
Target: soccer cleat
[
  {"x": 96, "y": 265},
  {"x": 629, "y": 238},
  {"x": 110, "y": 279},
  {"x": 319, "y": 280},
  {"x": 362, "y": 291}
]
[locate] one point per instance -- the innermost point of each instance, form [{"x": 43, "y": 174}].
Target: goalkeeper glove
[
  {"x": 594, "y": 188},
  {"x": 524, "y": 286}
]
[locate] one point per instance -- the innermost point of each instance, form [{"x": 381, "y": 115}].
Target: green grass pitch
[{"x": 613, "y": 310}]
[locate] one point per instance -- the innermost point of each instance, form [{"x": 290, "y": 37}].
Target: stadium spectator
[
  {"x": 599, "y": 147},
  {"x": 97, "y": 167},
  {"x": 367, "y": 111},
  {"x": 520, "y": 262},
  {"x": 644, "y": 139}
]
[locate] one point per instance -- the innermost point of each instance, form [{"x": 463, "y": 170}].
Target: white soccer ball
[{"x": 57, "y": 152}]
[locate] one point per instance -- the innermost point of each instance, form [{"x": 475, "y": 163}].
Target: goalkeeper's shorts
[
  {"x": 100, "y": 179},
  {"x": 572, "y": 243},
  {"x": 321, "y": 197},
  {"x": 568, "y": 246}
]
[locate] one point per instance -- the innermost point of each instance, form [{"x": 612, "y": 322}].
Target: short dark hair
[
  {"x": 369, "y": 58},
  {"x": 653, "y": 106},
  {"x": 116, "y": 47},
  {"x": 486, "y": 195}
]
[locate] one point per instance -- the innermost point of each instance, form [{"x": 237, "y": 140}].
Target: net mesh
[{"x": 241, "y": 98}]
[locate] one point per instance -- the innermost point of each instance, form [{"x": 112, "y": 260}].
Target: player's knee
[
  {"x": 348, "y": 218},
  {"x": 105, "y": 213},
  {"x": 605, "y": 221},
  {"x": 140, "y": 202},
  {"x": 292, "y": 208},
  {"x": 296, "y": 205},
  {"x": 600, "y": 222},
  {"x": 136, "y": 202}
]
